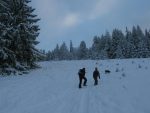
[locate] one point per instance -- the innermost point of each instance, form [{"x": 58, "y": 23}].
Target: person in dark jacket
[
  {"x": 96, "y": 75},
  {"x": 81, "y": 74}
]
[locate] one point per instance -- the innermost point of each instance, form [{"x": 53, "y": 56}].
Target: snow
[{"x": 54, "y": 88}]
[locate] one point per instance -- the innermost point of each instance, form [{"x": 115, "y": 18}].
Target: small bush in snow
[
  {"x": 132, "y": 62},
  {"x": 117, "y": 64},
  {"x": 123, "y": 74},
  {"x": 124, "y": 87},
  {"x": 139, "y": 66},
  {"x": 117, "y": 70}
]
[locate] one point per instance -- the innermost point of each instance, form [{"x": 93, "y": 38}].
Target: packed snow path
[{"x": 54, "y": 88}]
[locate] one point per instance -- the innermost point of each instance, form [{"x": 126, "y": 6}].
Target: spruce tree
[
  {"x": 117, "y": 35},
  {"x": 82, "y": 52},
  {"x": 147, "y": 36},
  {"x": 56, "y": 53},
  {"x": 130, "y": 48},
  {"x": 7, "y": 56},
  {"x": 18, "y": 32},
  {"x": 107, "y": 45},
  {"x": 71, "y": 51},
  {"x": 95, "y": 47},
  {"x": 64, "y": 53},
  {"x": 28, "y": 31}
]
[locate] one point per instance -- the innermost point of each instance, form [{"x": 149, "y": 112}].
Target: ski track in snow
[{"x": 54, "y": 88}]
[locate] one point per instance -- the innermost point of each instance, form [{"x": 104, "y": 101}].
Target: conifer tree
[
  {"x": 7, "y": 56},
  {"x": 117, "y": 35},
  {"x": 56, "y": 53},
  {"x": 64, "y": 53},
  {"x": 95, "y": 47},
  {"x": 82, "y": 52},
  {"x": 18, "y": 32},
  {"x": 71, "y": 51}
]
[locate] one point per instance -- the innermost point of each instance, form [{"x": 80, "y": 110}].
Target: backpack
[{"x": 80, "y": 72}]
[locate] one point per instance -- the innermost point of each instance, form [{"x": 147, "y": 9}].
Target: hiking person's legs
[
  {"x": 85, "y": 81},
  {"x": 95, "y": 81},
  {"x": 80, "y": 82}
]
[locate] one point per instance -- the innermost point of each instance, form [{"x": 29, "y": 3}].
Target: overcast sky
[{"x": 77, "y": 20}]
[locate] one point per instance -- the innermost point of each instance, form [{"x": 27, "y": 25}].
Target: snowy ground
[{"x": 54, "y": 88}]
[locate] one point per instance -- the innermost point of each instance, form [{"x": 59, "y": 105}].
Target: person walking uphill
[
  {"x": 96, "y": 74},
  {"x": 81, "y": 74}
]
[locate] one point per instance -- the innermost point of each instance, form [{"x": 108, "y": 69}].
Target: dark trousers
[
  {"x": 80, "y": 81},
  {"x": 95, "y": 81}
]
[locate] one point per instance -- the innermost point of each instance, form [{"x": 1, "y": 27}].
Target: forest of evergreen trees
[
  {"x": 117, "y": 45},
  {"x": 18, "y": 32}
]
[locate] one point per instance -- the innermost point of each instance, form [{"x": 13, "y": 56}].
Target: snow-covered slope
[{"x": 54, "y": 88}]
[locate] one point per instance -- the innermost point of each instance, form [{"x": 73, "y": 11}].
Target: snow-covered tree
[
  {"x": 107, "y": 45},
  {"x": 71, "y": 47},
  {"x": 119, "y": 52},
  {"x": 132, "y": 44},
  {"x": 147, "y": 36},
  {"x": 18, "y": 32},
  {"x": 142, "y": 42},
  {"x": 136, "y": 40},
  {"x": 82, "y": 52},
  {"x": 64, "y": 53},
  {"x": 7, "y": 56},
  {"x": 49, "y": 56},
  {"x": 117, "y": 35},
  {"x": 95, "y": 51},
  {"x": 56, "y": 53},
  {"x": 71, "y": 51},
  {"x": 130, "y": 48},
  {"x": 28, "y": 31}
]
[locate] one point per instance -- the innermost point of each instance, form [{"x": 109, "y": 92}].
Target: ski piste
[{"x": 54, "y": 88}]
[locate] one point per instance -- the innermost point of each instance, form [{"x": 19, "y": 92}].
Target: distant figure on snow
[
  {"x": 96, "y": 75},
  {"x": 107, "y": 71},
  {"x": 81, "y": 74}
]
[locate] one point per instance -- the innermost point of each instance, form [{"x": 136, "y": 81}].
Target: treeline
[
  {"x": 131, "y": 44},
  {"x": 18, "y": 32}
]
